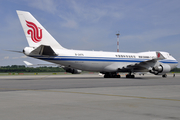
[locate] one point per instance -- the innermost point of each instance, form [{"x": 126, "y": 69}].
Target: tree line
[
  {"x": 176, "y": 70},
  {"x": 24, "y": 69}
]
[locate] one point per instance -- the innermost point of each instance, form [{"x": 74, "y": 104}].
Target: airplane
[
  {"x": 44, "y": 47},
  {"x": 67, "y": 69}
]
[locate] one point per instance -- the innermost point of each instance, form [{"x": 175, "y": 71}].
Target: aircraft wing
[{"x": 142, "y": 65}]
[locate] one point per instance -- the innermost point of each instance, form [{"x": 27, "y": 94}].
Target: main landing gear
[
  {"x": 115, "y": 75},
  {"x": 111, "y": 75},
  {"x": 130, "y": 75}
]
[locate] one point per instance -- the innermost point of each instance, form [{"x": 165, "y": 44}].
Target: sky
[{"x": 144, "y": 25}]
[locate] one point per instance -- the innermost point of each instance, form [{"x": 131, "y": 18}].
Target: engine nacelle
[
  {"x": 72, "y": 70},
  {"x": 161, "y": 69},
  {"x": 27, "y": 50}
]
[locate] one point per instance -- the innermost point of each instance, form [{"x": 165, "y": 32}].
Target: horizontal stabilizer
[
  {"x": 28, "y": 63},
  {"x": 41, "y": 65}
]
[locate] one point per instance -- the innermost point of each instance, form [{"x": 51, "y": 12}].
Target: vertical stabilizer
[{"x": 35, "y": 33}]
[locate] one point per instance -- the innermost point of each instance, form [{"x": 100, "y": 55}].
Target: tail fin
[{"x": 35, "y": 33}]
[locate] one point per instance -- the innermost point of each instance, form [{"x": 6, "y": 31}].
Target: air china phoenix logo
[{"x": 35, "y": 32}]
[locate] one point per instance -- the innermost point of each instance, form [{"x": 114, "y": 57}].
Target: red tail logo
[{"x": 36, "y": 32}]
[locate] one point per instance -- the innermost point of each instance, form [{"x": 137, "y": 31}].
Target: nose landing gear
[{"x": 164, "y": 76}]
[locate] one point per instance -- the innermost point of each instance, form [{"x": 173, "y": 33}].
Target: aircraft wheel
[
  {"x": 130, "y": 76},
  {"x": 164, "y": 76},
  {"x": 109, "y": 75},
  {"x": 106, "y": 76},
  {"x": 118, "y": 76}
]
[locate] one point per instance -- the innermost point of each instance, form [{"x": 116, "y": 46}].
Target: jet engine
[
  {"x": 72, "y": 70},
  {"x": 161, "y": 69}
]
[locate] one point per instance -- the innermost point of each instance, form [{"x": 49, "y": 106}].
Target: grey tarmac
[{"x": 89, "y": 97}]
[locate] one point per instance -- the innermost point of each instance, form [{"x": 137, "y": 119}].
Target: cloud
[
  {"x": 6, "y": 57},
  {"x": 45, "y": 5},
  {"x": 83, "y": 13},
  {"x": 20, "y": 57},
  {"x": 150, "y": 35},
  {"x": 15, "y": 58},
  {"x": 95, "y": 12},
  {"x": 23, "y": 56},
  {"x": 70, "y": 24}
]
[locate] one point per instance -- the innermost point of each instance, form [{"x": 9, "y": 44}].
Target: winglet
[{"x": 159, "y": 56}]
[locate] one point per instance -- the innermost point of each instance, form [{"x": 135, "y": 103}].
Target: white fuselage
[{"x": 106, "y": 61}]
